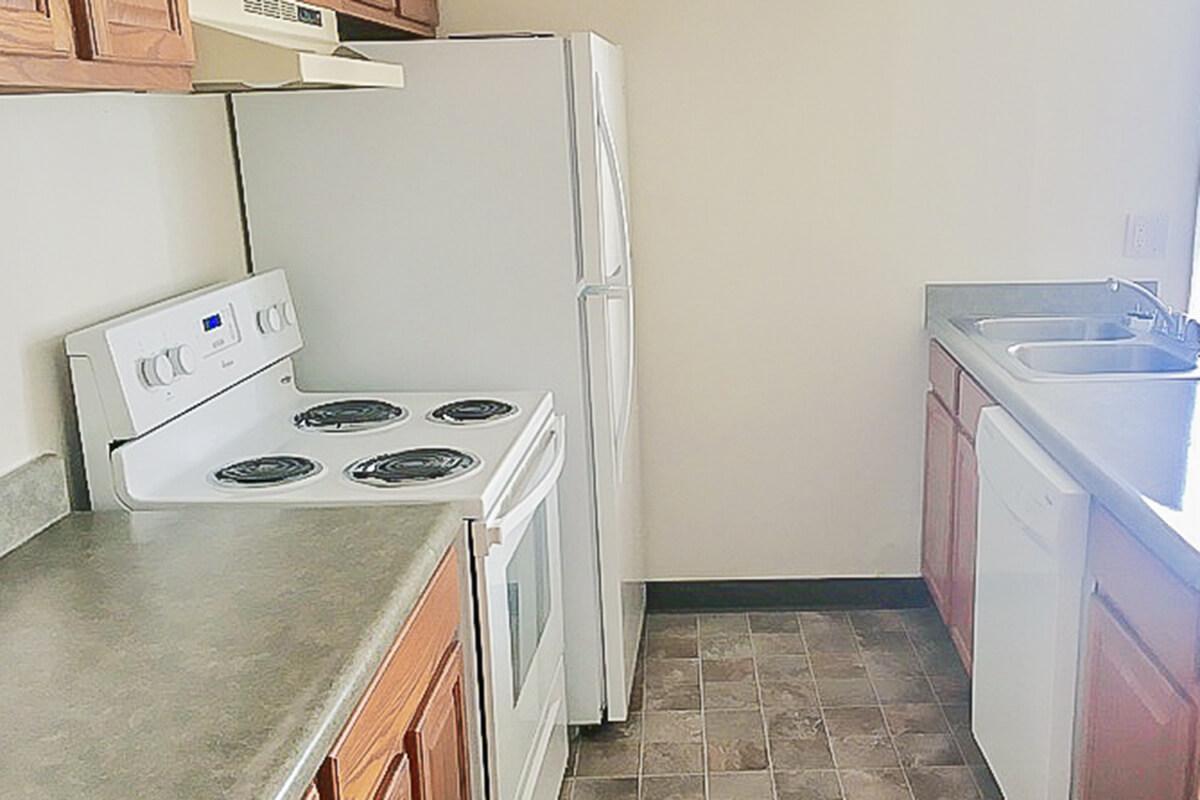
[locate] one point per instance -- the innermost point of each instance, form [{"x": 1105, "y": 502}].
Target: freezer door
[
  {"x": 603, "y": 155},
  {"x": 608, "y": 317}
]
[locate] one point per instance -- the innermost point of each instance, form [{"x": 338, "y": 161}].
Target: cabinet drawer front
[
  {"x": 1161, "y": 609},
  {"x": 376, "y": 730},
  {"x": 943, "y": 375},
  {"x": 972, "y": 400}
]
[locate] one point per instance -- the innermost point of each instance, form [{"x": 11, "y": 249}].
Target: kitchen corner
[{"x": 201, "y": 652}]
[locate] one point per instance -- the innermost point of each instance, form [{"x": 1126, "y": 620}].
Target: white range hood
[{"x": 277, "y": 44}]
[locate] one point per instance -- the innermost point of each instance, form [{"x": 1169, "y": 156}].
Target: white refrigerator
[{"x": 471, "y": 231}]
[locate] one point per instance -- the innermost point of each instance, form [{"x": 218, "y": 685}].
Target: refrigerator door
[
  {"x": 607, "y": 299},
  {"x": 603, "y": 155},
  {"x": 608, "y": 318}
]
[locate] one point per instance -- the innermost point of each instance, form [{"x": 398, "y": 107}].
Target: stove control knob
[
  {"x": 288, "y": 313},
  {"x": 270, "y": 320},
  {"x": 156, "y": 370},
  {"x": 183, "y": 360}
]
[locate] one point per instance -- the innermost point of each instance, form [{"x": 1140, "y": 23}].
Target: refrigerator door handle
[{"x": 614, "y": 168}]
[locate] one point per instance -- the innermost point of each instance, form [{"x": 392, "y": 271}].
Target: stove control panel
[{"x": 153, "y": 364}]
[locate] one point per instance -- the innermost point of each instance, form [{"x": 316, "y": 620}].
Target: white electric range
[{"x": 194, "y": 401}]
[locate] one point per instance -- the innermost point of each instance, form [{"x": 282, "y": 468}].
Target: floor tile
[
  {"x": 564, "y": 791},
  {"x": 729, "y": 669},
  {"x": 986, "y": 783},
  {"x": 613, "y": 731},
  {"x": 766, "y": 644},
  {"x": 942, "y": 783},
  {"x": 605, "y": 789},
  {"x": 672, "y": 672},
  {"x": 730, "y": 694},
  {"x": 875, "y": 784},
  {"x": 876, "y": 620},
  {"x": 608, "y": 759},
  {"x": 863, "y": 751},
  {"x": 800, "y": 693},
  {"x": 940, "y": 659},
  {"x": 837, "y": 665},
  {"x": 915, "y": 718},
  {"x": 671, "y": 646},
  {"x": 845, "y": 692},
  {"x": 951, "y": 689},
  {"x": 892, "y": 664},
  {"x": 671, "y": 623},
  {"x": 720, "y": 726},
  {"x": 903, "y": 690},
  {"x": 774, "y": 622},
  {"x": 737, "y": 755},
  {"x": 679, "y": 698},
  {"x": 807, "y": 785},
  {"x": 958, "y": 715},
  {"x": 801, "y": 754},
  {"x": 740, "y": 786},
  {"x": 969, "y": 747},
  {"x": 855, "y": 721},
  {"x": 772, "y": 669},
  {"x": 885, "y": 642},
  {"x": 928, "y": 750},
  {"x": 672, "y": 758},
  {"x": 673, "y": 787},
  {"x": 723, "y": 623},
  {"x": 673, "y": 726},
  {"x": 725, "y": 646},
  {"x": 794, "y": 723}
]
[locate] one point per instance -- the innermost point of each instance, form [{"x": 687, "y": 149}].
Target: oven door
[{"x": 519, "y": 595}]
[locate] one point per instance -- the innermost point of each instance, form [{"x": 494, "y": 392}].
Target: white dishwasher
[{"x": 1029, "y": 594}]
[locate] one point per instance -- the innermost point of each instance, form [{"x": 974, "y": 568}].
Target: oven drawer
[{"x": 376, "y": 731}]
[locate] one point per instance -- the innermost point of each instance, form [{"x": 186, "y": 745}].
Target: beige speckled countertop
[{"x": 199, "y": 654}]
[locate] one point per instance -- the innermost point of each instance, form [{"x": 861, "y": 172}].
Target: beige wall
[
  {"x": 108, "y": 202},
  {"x": 800, "y": 169}
]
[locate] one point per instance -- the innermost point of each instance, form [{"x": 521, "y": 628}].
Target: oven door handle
[{"x": 498, "y": 528}]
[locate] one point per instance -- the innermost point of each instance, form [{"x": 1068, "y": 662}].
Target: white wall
[
  {"x": 800, "y": 169},
  {"x": 106, "y": 203}
]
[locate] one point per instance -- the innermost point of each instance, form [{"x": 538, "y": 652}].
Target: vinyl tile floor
[{"x": 857, "y": 705}]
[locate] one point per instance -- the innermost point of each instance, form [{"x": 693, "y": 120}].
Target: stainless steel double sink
[{"x": 1078, "y": 348}]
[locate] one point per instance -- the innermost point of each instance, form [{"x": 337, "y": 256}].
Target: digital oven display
[{"x": 212, "y": 323}]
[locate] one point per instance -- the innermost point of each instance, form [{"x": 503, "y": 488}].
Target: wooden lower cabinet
[
  {"x": 1139, "y": 677},
  {"x": 407, "y": 738},
  {"x": 938, "y": 514},
  {"x": 437, "y": 742},
  {"x": 962, "y": 562},
  {"x": 1138, "y": 736}
]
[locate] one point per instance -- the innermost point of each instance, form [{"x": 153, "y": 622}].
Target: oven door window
[{"x": 528, "y": 587}]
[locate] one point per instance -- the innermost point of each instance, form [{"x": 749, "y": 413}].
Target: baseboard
[{"x": 791, "y": 593}]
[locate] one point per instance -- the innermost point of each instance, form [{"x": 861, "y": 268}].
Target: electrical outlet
[{"x": 1146, "y": 235}]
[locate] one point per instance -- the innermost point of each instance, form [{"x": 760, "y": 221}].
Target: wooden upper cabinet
[
  {"x": 36, "y": 28},
  {"x": 437, "y": 743},
  {"x": 138, "y": 31},
  {"x": 1138, "y": 727},
  {"x": 422, "y": 11},
  {"x": 937, "y": 541}
]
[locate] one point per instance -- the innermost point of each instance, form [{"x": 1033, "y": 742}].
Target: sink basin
[
  {"x": 1097, "y": 358},
  {"x": 1052, "y": 329}
]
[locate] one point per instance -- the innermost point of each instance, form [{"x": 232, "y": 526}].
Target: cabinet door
[
  {"x": 423, "y": 11},
  {"x": 139, "y": 31},
  {"x": 398, "y": 783},
  {"x": 35, "y": 28},
  {"x": 962, "y": 569},
  {"x": 938, "y": 522},
  {"x": 437, "y": 744},
  {"x": 1138, "y": 727}
]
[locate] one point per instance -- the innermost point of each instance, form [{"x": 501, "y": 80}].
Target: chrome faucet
[{"x": 1173, "y": 323}]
